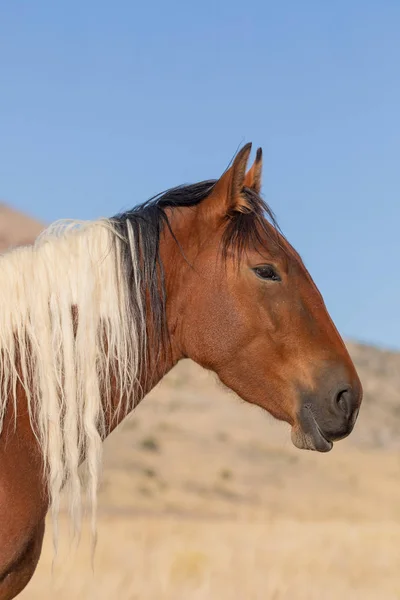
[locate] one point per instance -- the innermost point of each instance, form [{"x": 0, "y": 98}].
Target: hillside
[
  {"x": 16, "y": 228},
  {"x": 192, "y": 446}
]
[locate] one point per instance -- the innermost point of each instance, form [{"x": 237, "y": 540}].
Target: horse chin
[{"x": 313, "y": 439}]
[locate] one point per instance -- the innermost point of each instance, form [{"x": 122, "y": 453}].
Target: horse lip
[{"x": 307, "y": 435}]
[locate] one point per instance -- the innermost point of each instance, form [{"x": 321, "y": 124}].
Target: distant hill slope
[
  {"x": 16, "y": 228},
  {"x": 192, "y": 447},
  {"x": 379, "y": 420}
]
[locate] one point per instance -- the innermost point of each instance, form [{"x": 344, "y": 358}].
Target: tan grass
[{"x": 153, "y": 558}]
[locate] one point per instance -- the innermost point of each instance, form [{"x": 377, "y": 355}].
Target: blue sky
[{"x": 103, "y": 104}]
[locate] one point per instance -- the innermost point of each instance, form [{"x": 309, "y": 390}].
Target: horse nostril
[{"x": 344, "y": 401}]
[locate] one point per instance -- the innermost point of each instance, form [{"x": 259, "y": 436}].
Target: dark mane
[
  {"x": 242, "y": 230},
  {"x": 146, "y": 222}
]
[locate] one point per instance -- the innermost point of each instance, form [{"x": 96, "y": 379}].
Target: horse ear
[
  {"x": 227, "y": 196},
  {"x": 254, "y": 175}
]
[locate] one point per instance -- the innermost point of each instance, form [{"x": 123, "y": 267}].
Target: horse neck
[{"x": 158, "y": 360}]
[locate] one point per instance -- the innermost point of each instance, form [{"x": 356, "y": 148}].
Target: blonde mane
[{"x": 67, "y": 331}]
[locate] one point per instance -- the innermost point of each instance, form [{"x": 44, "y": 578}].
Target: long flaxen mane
[{"x": 75, "y": 310}]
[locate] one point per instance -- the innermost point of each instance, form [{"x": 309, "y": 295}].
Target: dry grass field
[{"x": 148, "y": 558}]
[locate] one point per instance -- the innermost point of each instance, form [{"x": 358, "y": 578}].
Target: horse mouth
[{"x": 307, "y": 435}]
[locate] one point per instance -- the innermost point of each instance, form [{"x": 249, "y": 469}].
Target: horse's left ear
[
  {"x": 254, "y": 175},
  {"x": 227, "y": 196}
]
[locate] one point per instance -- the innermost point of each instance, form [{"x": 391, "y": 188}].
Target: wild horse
[{"x": 94, "y": 315}]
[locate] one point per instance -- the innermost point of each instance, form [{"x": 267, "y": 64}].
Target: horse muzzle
[{"x": 322, "y": 420}]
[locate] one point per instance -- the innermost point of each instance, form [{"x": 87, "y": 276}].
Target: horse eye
[{"x": 267, "y": 272}]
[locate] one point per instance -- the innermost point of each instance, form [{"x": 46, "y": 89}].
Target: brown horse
[{"x": 93, "y": 315}]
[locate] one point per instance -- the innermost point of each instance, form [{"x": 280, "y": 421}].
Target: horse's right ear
[
  {"x": 254, "y": 175},
  {"x": 226, "y": 197}
]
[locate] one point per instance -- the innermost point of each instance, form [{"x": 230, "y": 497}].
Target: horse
[{"x": 94, "y": 314}]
